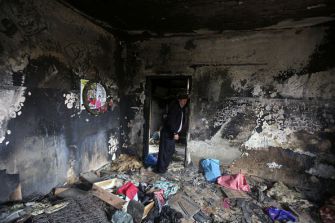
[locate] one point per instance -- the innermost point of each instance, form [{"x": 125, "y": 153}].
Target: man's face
[{"x": 182, "y": 102}]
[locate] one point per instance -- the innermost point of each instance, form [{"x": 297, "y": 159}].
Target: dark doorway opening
[{"x": 160, "y": 91}]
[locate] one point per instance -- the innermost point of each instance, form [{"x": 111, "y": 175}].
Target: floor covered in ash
[{"x": 189, "y": 197}]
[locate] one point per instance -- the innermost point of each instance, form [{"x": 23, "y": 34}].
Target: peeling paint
[
  {"x": 142, "y": 97},
  {"x": 322, "y": 170},
  {"x": 112, "y": 146},
  {"x": 10, "y": 105},
  {"x": 257, "y": 90},
  {"x": 222, "y": 115},
  {"x": 71, "y": 100},
  {"x": 270, "y": 136},
  {"x": 274, "y": 165},
  {"x": 18, "y": 63}
]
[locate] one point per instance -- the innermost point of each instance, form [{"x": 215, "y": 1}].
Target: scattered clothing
[
  {"x": 236, "y": 182},
  {"x": 168, "y": 187},
  {"x": 280, "y": 215},
  {"x": 159, "y": 195},
  {"x": 211, "y": 168},
  {"x": 129, "y": 190},
  {"x": 122, "y": 217},
  {"x": 135, "y": 209},
  {"x": 143, "y": 196},
  {"x": 252, "y": 212},
  {"x": 226, "y": 203},
  {"x": 169, "y": 215},
  {"x": 283, "y": 194},
  {"x": 151, "y": 159}
]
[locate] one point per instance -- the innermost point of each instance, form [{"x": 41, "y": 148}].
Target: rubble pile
[
  {"x": 125, "y": 191},
  {"x": 125, "y": 163}
]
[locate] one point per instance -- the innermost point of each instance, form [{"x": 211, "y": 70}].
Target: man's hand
[{"x": 176, "y": 137}]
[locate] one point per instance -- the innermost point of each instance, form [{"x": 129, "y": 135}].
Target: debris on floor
[
  {"x": 122, "y": 164},
  {"x": 281, "y": 215},
  {"x": 327, "y": 211},
  {"x": 283, "y": 194},
  {"x": 30, "y": 209},
  {"x": 125, "y": 191},
  {"x": 184, "y": 205},
  {"x": 211, "y": 168},
  {"x": 236, "y": 182},
  {"x": 10, "y": 187}
]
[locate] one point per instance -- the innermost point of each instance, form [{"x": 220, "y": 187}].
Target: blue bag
[
  {"x": 151, "y": 159},
  {"x": 211, "y": 168},
  {"x": 280, "y": 215}
]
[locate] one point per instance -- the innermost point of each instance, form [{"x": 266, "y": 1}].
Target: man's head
[{"x": 182, "y": 98}]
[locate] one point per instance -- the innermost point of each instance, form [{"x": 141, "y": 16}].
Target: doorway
[{"x": 160, "y": 91}]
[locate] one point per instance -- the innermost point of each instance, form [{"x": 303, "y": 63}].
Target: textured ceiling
[{"x": 164, "y": 16}]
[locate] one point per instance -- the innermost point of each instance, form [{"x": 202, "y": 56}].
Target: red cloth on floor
[
  {"x": 236, "y": 182},
  {"x": 128, "y": 189}
]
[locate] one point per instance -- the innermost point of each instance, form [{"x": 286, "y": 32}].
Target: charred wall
[
  {"x": 45, "y": 49},
  {"x": 251, "y": 91}
]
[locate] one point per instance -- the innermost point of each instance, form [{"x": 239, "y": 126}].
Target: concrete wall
[
  {"x": 267, "y": 94},
  {"x": 251, "y": 91},
  {"x": 45, "y": 49}
]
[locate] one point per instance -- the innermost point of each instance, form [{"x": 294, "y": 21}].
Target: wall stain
[
  {"x": 165, "y": 53},
  {"x": 234, "y": 127},
  {"x": 284, "y": 75},
  {"x": 18, "y": 78},
  {"x": 1, "y": 48},
  {"x": 49, "y": 72},
  {"x": 27, "y": 17},
  {"x": 189, "y": 45},
  {"x": 10, "y": 28},
  {"x": 226, "y": 89},
  {"x": 323, "y": 56},
  {"x": 41, "y": 67}
]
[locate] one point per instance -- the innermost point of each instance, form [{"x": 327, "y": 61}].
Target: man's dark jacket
[{"x": 172, "y": 122}]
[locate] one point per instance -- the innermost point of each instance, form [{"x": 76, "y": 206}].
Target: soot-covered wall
[
  {"x": 45, "y": 49},
  {"x": 263, "y": 98}
]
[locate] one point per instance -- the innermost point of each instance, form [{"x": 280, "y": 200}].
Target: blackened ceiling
[{"x": 163, "y": 16}]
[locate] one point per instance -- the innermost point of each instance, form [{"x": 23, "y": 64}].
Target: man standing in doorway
[{"x": 175, "y": 123}]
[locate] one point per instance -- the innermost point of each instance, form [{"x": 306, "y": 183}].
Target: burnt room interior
[{"x": 86, "y": 86}]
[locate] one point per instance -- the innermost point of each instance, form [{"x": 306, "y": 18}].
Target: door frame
[{"x": 147, "y": 108}]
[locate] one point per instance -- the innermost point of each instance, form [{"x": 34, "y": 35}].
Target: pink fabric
[
  {"x": 128, "y": 189},
  {"x": 236, "y": 182},
  {"x": 159, "y": 195},
  {"x": 226, "y": 203}
]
